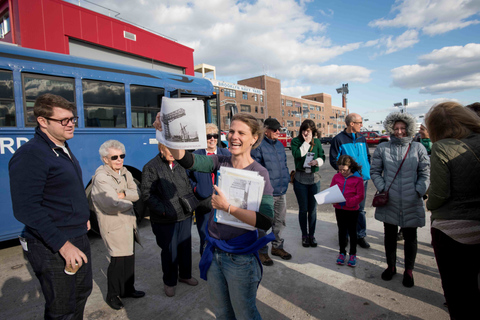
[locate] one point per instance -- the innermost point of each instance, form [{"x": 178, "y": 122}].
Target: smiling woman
[{"x": 230, "y": 261}]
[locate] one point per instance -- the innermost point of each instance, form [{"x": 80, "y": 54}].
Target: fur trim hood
[{"x": 398, "y": 116}]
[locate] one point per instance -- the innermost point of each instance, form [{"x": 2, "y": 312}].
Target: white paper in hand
[
  {"x": 183, "y": 124},
  {"x": 330, "y": 195}
]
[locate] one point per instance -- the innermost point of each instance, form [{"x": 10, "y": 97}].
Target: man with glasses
[
  {"x": 351, "y": 142},
  {"x": 49, "y": 198},
  {"x": 271, "y": 154}
]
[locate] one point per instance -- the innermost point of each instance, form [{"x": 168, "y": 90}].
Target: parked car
[
  {"x": 326, "y": 140},
  {"x": 374, "y": 137}
]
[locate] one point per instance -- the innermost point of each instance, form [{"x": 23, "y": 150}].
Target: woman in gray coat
[{"x": 405, "y": 207}]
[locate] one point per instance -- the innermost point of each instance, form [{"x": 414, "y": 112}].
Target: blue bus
[{"x": 113, "y": 101}]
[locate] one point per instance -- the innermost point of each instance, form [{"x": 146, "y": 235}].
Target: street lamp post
[{"x": 399, "y": 104}]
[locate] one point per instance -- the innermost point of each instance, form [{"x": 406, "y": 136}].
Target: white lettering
[
  {"x": 20, "y": 140},
  {"x": 6, "y": 143}
]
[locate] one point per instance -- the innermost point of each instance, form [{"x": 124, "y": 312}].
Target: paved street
[{"x": 310, "y": 286}]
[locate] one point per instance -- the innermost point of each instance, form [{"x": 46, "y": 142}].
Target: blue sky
[{"x": 427, "y": 51}]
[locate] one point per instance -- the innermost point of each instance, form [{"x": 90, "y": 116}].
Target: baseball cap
[{"x": 272, "y": 123}]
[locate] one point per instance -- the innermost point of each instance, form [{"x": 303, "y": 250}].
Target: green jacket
[
  {"x": 297, "y": 154},
  {"x": 455, "y": 174}
]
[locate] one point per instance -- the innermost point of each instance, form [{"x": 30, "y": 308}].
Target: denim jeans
[
  {"x": 65, "y": 295},
  {"x": 280, "y": 212},
  {"x": 362, "y": 221},
  {"x": 307, "y": 215},
  {"x": 175, "y": 239},
  {"x": 232, "y": 282}
]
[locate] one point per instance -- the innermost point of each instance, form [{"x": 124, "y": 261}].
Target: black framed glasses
[
  {"x": 210, "y": 136},
  {"x": 113, "y": 158},
  {"x": 64, "y": 122}
]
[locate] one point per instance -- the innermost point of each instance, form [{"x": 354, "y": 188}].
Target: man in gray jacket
[{"x": 271, "y": 154}]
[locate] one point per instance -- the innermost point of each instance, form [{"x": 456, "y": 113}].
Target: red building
[{"x": 62, "y": 27}]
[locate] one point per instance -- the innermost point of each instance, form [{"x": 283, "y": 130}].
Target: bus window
[
  {"x": 7, "y": 102},
  {"x": 35, "y": 85},
  {"x": 104, "y": 104},
  {"x": 146, "y": 103}
]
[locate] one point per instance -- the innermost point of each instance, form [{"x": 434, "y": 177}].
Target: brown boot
[
  {"x": 281, "y": 253},
  {"x": 265, "y": 259}
]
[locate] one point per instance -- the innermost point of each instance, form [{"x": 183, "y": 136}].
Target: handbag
[
  {"x": 380, "y": 199},
  {"x": 189, "y": 202},
  {"x": 292, "y": 176}
]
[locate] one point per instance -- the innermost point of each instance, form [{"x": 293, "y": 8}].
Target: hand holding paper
[{"x": 330, "y": 195}]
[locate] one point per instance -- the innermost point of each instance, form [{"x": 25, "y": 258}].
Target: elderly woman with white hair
[{"x": 113, "y": 194}]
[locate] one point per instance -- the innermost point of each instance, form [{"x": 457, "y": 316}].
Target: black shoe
[
  {"x": 134, "y": 294},
  {"x": 387, "y": 275},
  {"x": 114, "y": 302},
  {"x": 362, "y": 243},
  {"x": 313, "y": 242},
  {"x": 305, "y": 242},
  {"x": 407, "y": 280}
]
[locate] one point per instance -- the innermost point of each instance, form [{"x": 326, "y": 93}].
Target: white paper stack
[{"x": 243, "y": 189}]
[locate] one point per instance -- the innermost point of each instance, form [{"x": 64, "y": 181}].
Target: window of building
[
  {"x": 244, "y": 95},
  {"x": 312, "y": 107},
  {"x": 305, "y": 106},
  {"x": 256, "y": 109},
  {"x": 283, "y": 102},
  {"x": 289, "y": 123},
  {"x": 35, "y": 85},
  {"x": 229, "y": 93},
  {"x": 146, "y": 102},
  {"x": 261, "y": 98},
  {"x": 104, "y": 104},
  {"x": 312, "y": 115},
  {"x": 297, "y": 123},
  {"x": 4, "y": 25},
  {"x": 7, "y": 101},
  {"x": 261, "y": 110},
  {"x": 217, "y": 90},
  {"x": 283, "y": 113},
  {"x": 245, "y": 108},
  {"x": 289, "y": 103},
  {"x": 319, "y": 108},
  {"x": 255, "y": 97}
]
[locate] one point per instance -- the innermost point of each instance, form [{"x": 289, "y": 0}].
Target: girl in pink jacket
[{"x": 350, "y": 182}]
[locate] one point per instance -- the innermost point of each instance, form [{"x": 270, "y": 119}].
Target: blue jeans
[
  {"x": 175, "y": 239},
  {"x": 65, "y": 296},
  {"x": 362, "y": 220},
  {"x": 307, "y": 214},
  {"x": 232, "y": 282}
]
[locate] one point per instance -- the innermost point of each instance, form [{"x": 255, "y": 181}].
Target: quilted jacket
[
  {"x": 405, "y": 205},
  {"x": 453, "y": 192}
]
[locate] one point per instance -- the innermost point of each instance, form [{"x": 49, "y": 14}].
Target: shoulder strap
[{"x": 401, "y": 164}]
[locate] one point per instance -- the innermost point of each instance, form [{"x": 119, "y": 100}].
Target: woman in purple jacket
[{"x": 349, "y": 180}]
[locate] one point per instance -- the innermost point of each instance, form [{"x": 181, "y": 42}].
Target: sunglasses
[
  {"x": 113, "y": 158},
  {"x": 210, "y": 136}
]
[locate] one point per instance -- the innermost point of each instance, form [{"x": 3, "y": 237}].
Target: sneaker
[
  {"x": 352, "y": 262},
  {"x": 341, "y": 259},
  {"x": 281, "y": 253},
  {"x": 265, "y": 259},
  {"x": 363, "y": 243}
]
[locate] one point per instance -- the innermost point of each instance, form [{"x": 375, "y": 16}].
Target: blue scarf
[{"x": 246, "y": 243}]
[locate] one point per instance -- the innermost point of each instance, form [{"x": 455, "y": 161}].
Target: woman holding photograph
[
  {"x": 230, "y": 261},
  {"x": 307, "y": 178}
]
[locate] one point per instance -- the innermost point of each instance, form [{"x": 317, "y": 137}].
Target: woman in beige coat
[{"x": 113, "y": 194}]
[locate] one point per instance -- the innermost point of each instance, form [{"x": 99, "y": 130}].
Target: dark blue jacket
[
  {"x": 271, "y": 154},
  {"x": 354, "y": 146},
  {"x": 203, "y": 181},
  {"x": 47, "y": 192}
]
